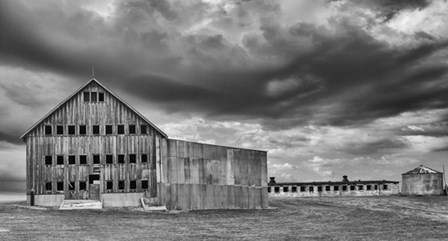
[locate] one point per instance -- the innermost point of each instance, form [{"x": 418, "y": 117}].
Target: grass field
[{"x": 344, "y": 218}]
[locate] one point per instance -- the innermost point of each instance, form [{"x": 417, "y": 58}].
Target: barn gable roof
[
  {"x": 421, "y": 170},
  {"x": 79, "y": 90}
]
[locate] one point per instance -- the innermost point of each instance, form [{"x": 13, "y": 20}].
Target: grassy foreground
[{"x": 341, "y": 218}]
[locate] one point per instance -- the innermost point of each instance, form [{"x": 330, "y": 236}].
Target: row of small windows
[
  {"x": 132, "y": 158},
  {"x": 82, "y": 129},
  {"x": 83, "y": 185},
  {"x": 369, "y": 187},
  {"x": 93, "y": 96}
]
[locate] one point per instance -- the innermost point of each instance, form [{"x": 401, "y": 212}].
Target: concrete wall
[
  {"x": 47, "y": 200},
  {"x": 422, "y": 184},
  {"x": 122, "y": 199},
  {"x": 391, "y": 190}
]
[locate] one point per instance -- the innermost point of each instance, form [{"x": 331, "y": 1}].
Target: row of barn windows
[
  {"x": 82, "y": 129},
  {"x": 93, "y": 96},
  {"x": 109, "y": 185},
  {"x": 96, "y": 159},
  {"x": 369, "y": 187}
]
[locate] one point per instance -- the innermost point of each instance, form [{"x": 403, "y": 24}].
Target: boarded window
[
  {"x": 60, "y": 130},
  {"x": 311, "y": 189},
  {"x": 101, "y": 96},
  {"x": 48, "y": 160},
  {"x": 133, "y": 185},
  {"x": 360, "y": 187},
  {"x": 82, "y": 185},
  {"x": 335, "y": 188},
  {"x": 143, "y": 129},
  {"x": 302, "y": 189},
  {"x": 71, "y": 160},
  {"x": 385, "y": 187},
  {"x": 48, "y": 186},
  {"x": 48, "y": 130},
  {"x": 109, "y": 159},
  {"x": 132, "y": 158},
  {"x": 144, "y": 184},
  {"x": 144, "y": 158},
  {"x": 327, "y": 188},
  {"x": 120, "y": 129},
  {"x": 60, "y": 186},
  {"x": 96, "y": 159},
  {"x": 82, "y": 159},
  {"x": 285, "y": 189},
  {"x": 109, "y": 185},
  {"x": 86, "y": 96},
  {"x": 120, "y": 158},
  {"x": 131, "y": 129},
  {"x": 344, "y": 188},
  {"x": 71, "y": 129},
  {"x": 269, "y": 188},
  {"x": 319, "y": 188},
  {"x": 121, "y": 185},
  {"x": 276, "y": 189},
  {"x": 96, "y": 129},
  {"x": 82, "y": 129},
  {"x": 109, "y": 130},
  {"x": 60, "y": 160},
  {"x": 71, "y": 186},
  {"x": 93, "y": 96},
  {"x": 352, "y": 188},
  {"x": 294, "y": 189}
]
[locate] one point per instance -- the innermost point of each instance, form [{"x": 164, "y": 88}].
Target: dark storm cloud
[
  {"x": 285, "y": 74},
  {"x": 10, "y": 137}
]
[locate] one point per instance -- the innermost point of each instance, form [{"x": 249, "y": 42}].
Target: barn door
[{"x": 94, "y": 186}]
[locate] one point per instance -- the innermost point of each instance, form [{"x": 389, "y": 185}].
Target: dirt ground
[{"x": 340, "y": 218}]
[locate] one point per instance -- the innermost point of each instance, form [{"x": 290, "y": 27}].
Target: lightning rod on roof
[{"x": 93, "y": 72}]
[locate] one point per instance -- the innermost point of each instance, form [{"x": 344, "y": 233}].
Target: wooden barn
[{"x": 94, "y": 146}]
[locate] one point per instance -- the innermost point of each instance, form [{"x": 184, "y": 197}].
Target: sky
[{"x": 328, "y": 88}]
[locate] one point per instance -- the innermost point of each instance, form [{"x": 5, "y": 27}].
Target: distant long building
[{"x": 329, "y": 188}]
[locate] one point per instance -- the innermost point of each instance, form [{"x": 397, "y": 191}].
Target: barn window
[
  {"x": 269, "y": 188},
  {"x": 375, "y": 187},
  {"x": 71, "y": 160},
  {"x": 144, "y": 158},
  {"x": 93, "y": 96},
  {"x": 120, "y": 158},
  {"x": 132, "y": 158},
  {"x": 133, "y": 185},
  {"x": 48, "y": 160},
  {"x": 109, "y": 129},
  {"x": 360, "y": 187},
  {"x": 96, "y": 129},
  {"x": 109, "y": 185},
  {"x": 385, "y": 187},
  {"x": 143, "y": 129},
  {"x": 60, "y": 186},
  {"x": 120, "y": 185},
  {"x": 144, "y": 184},
  {"x": 311, "y": 189},
  {"x": 294, "y": 189},
  {"x": 109, "y": 159},
  {"x": 352, "y": 188},
  {"x": 96, "y": 159},
  {"x": 335, "y": 188},
  {"x": 120, "y": 129},
  {"x": 82, "y": 185},
  {"x": 60, "y": 130},
  {"x": 344, "y": 188},
  {"x": 71, "y": 186},
  {"x": 285, "y": 189},
  {"x": 60, "y": 160},
  {"x": 131, "y": 129},
  {"x": 368, "y": 187},
  {"x": 82, "y": 129},
  {"x": 82, "y": 159},
  {"x": 48, "y": 130},
  {"x": 276, "y": 189},
  {"x": 100, "y": 96},
  {"x": 302, "y": 189},
  {"x": 48, "y": 186},
  {"x": 71, "y": 129},
  {"x": 327, "y": 188},
  {"x": 319, "y": 188},
  {"x": 86, "y": 96}
]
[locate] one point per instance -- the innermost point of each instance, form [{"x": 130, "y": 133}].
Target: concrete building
[
  {"x": 422, "y": 181},
  {"x": 328, "y": 189},
  {"x": 94, "y": 146}
]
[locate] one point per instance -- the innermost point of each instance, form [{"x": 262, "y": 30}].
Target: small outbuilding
[{"x": 422, "y": 181}]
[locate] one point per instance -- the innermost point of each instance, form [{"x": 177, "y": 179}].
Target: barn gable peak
[{"x": 92, "y": 83}]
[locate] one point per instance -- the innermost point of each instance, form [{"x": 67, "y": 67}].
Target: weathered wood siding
[
  {"x": 77, "y": 112},
  {"x": 201, "y": 176}
]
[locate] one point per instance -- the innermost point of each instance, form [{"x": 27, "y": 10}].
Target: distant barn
[
  {"x": 422, "y": 181},
  {"x": 94, "y": 146}
]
